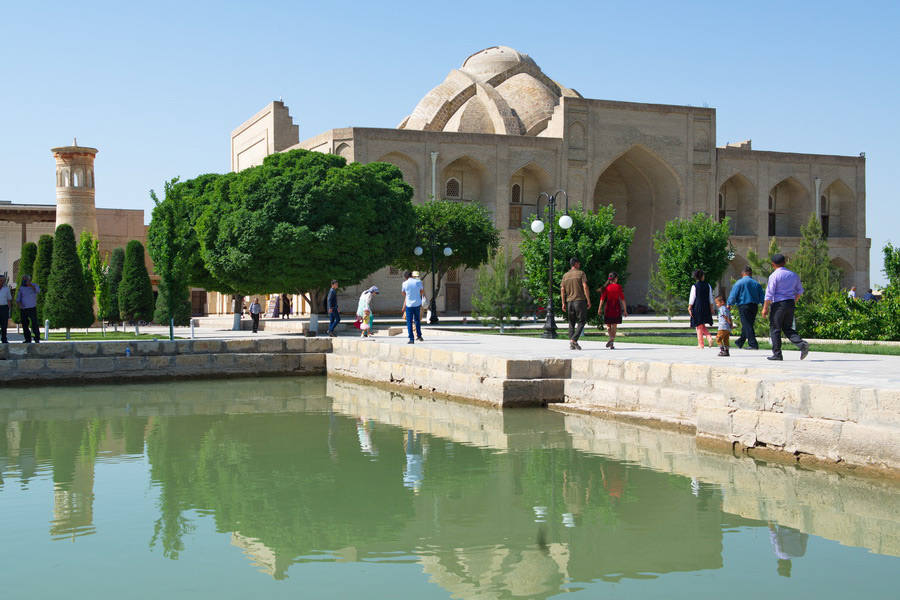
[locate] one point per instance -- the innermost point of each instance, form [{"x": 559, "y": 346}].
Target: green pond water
[{"x": 315, "y": 488}]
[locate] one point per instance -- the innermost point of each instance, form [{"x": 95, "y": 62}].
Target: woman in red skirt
[{"x": 612, "y": 306}]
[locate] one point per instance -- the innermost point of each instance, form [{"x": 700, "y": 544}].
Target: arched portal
[
  {"x": 473, "y": 180},
  {"x": 789, "y": 208},
  {"x": 848, "y": 273},
  {"x": 839, "y": 206},
  {"x": 525, "y": 186},
  {"x": 646, "y": 192},
  {"x": 737, "y": 201}
]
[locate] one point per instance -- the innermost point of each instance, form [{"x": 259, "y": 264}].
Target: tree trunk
[
  {"x": 137, "y": 330},
  {"x": 68, "y": 333},
  {"x": 238, "y": 302}
]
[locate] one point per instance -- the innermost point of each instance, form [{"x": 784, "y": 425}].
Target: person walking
[
  {"x": 331, "y": 305},
  {"x": 413, "y": 294},
  {"x": 26, "y": 300},
  {"x": 5, "y": 307},
  {"x": 576, "y": 300},
  {"x": 285, "y": 307},
  {"x": 612, "y": 306},
  {"x": 782, "y": 292},
  {"x": 700, "y": 307},
  {"x": 364, "y": 311},
  {"x": 726, "y": 324},
  {"x": 255, "y": 311},
  {"x": 747, "y": 295}
]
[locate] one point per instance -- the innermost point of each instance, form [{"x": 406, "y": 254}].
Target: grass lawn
[
  {"x": 689, "y": 338},
  {"x": 110, "y": 336}
]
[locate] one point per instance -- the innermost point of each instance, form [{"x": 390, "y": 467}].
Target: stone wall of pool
[{"x": 770, "y": 413}]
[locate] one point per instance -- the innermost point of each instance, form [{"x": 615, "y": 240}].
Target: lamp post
[
  {"x": 448, "y": 251},
  {"x": 537, "y": 226}
]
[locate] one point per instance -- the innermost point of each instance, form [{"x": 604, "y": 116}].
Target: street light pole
[
  {"x": 448, "y": 251},
  {"x": 537, "y": 226}
]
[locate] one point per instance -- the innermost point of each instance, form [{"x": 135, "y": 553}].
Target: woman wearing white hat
[{"x": 364, "y": 311}]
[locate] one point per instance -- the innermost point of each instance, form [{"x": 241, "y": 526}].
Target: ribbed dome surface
[{"x": 497, "y": 90}]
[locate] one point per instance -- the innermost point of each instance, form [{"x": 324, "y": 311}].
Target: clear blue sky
[{"x": 158, "y": 87}]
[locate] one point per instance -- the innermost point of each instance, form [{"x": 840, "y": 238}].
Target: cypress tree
[
  {"x": 181, "y": 298},
  {"x": 42, "y": 266},
  {"x": 116, "y": 264},
  {"x": 85, "y": 246},
  {"x": 135, "y": 290},
  {"x": 812, "y": 263},
  {"x": 26, "y": 267},
  {"x": 66, "y": 302}
]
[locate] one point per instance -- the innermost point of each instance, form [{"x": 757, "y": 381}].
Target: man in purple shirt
[{"x": 782, "y": 292}]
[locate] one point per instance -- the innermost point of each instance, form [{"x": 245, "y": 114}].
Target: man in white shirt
[
  {"x": 413, "y": 292},
  {"x": 5, "y": 307},
  {"x": 255, "y": 311}
]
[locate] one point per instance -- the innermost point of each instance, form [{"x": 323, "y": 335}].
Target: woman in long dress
[
  {"x": 612, "y": 306},
  {"x": 700, "y": 307},
  {"x": 364, "y": 311}
]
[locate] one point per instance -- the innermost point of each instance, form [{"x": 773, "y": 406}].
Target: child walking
[{"x": 725, "y": 325}]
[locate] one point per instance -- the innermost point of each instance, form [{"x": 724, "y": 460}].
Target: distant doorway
[
  {"x": 198, "y": 304},
  {"x": 452, "y": 296}
]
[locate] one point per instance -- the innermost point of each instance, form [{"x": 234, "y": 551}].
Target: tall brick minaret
[{"x": 75, "y": 187}]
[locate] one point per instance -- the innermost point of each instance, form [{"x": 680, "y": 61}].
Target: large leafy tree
[
  {"x": 304, "y": 218},
  {"x": 99, "y": 279},
  {"x": 67, "y": 304},
  {"x": 684, "y": 245},
  {"x": 466, "y": 228},
  {"x": 113, "y": 279},
  {"x": 135, "y": 289},
  {"x": 26, "y": 267},
  {"x": 601, "y": 246},
  {"x": 85, "y": 248},
  {"x": 169, "y": 245},
  {"x": 819, "y": 277},
  {"x": 42, "y": 266}
]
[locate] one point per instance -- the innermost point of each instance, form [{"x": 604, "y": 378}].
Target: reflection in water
[{"x": 525, "y": 503}]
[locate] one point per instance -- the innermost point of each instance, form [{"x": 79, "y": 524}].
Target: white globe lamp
[
  {"x": 418, "y": 251},
  {"x": 565, "y": 221},
  {"x": 448, "y": 251},
  {"x": 537, "y": 226}
]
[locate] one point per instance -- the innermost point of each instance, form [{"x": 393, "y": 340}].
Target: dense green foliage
[
  {"x": 499, "y": 297},
  {"x": 837, "y": 317},
  {"x": 296, "y": 222},
  {"x": 660, "y": 297},
  {"x": 819, "y": 277},
  {"x": 66, "y": 301},
  {"x": 26, "y": 267},
  {"x": 700, "y": 242},
  {"x": 762, "y": 265},
  {"x": 113, "y": 279},
  {"x": 601, "y": 246},
  {"x": 169, "y": 245},
  {"x": 892, "y": 268},
  {"x": 180, "y": 307},
  {"x": 99, "y": 271},
  {"x": 85, "y": 249},
  {"x": 135, "y": 291},
  {"x": 466, "y": 228},
  {"x": 42, "y": 265}
]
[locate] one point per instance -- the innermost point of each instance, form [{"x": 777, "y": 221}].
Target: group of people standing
[
  {"x": 26, "y": 300},
  {"x": 778, "y": 301},
  {"x": 413, "y": 298}
]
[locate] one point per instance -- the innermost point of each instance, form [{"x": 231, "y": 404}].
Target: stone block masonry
[{"x": 63, "y": 362}]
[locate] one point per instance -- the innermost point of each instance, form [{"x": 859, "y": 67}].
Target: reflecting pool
[{"x": 315, "y": 488}]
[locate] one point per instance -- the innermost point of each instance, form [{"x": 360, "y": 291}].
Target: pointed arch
[
  {"x": 848, "y": 273},
  {"x": 840, "y": 209},
  {"x": 531, "y": 179},
  {"x": 737, "y": 200},
  {"x": 789, "y": 207},
  {"x": 344, "y": 149},
  {"x": 645, "y": 192},
  {"x": 474, "y": 179}
]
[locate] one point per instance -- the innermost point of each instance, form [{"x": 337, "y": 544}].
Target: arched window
[
  {"x": 453, "y": 188},
  {"x": 515, "y": 206},
  {"x": 826, "y": 219},
  {"x": 65, "y": 179},
  {"x": 721, "y": 207},
  {"x": 77, "y": 179},
  {"x": 89, "y": 179}
]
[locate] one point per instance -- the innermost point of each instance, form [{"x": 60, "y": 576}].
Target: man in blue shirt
[
  {"x": 413, "y": 291},
  {"x": 334, "y": 313},
  {"x": 782, "y": 292},
  {"x": 26, "y": 300},
  {"x": 747, "y": 295}
]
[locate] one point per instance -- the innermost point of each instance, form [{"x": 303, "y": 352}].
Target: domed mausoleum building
[{"x": 499, "y": 131}]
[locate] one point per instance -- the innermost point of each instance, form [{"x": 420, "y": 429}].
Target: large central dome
[{"x": 497, "y": 90}]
